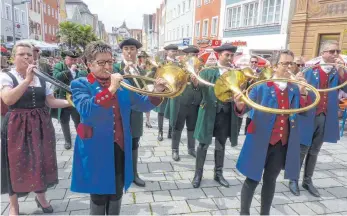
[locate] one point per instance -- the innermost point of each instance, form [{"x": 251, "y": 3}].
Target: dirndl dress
[{"x": 28, "y": 147}]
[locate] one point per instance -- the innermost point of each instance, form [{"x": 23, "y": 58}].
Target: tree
[{"x": 76, "y": 36}]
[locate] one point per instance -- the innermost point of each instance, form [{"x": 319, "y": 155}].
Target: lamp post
[{"x": 13, "y": 21}]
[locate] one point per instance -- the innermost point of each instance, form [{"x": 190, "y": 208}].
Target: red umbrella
[
  {"x": 244, "y": 60},
  {"x": 3, "y": 49}
]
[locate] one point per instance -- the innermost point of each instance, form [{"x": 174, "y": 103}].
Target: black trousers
[
  {"x": 248, "y": 121},
  {"x": 187, "y": 114},
  {"x": 275, "y": 160},
  {"x": 65, "y": 116},
  {"x": 103, "y": 199},
  {"x": 136, "y": 143},
  {"x": 318, "y": 135},
  {"x": 221, "y": 130}
]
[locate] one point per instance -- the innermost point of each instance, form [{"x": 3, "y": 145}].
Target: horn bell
[{"x": 230, "y": 83}]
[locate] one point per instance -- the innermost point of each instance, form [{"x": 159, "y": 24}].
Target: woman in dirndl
[{"x": 28, "y": 156}]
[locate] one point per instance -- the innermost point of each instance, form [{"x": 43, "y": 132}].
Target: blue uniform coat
[
  {"x": 93, "y": 169},
  {"x": 252, "y": 158},
  {"x": 306, "y": 123}
]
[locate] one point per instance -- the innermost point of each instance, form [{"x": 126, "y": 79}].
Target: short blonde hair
[
  {"x": 327, "y": 43},
  {"x": 20, "y": 44}
]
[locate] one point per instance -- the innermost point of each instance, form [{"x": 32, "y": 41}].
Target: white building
[
  {"x": 35, "y": 20},
  {"x": 78, "y": 12},
  {"x": 258, "y": 27},
  {"x": 179, "y": 22},
  {"x": 20, "y": 23}
]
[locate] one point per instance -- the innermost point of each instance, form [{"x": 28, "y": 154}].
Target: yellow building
[
  {"x": 316, "y": 21},
  {"x": 62, "y": 11}
]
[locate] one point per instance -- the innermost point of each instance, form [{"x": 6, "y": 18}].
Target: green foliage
[{"x": 75, "y": 35}]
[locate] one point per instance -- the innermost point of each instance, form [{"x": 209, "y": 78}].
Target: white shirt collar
[
  {"x": 127, "y": 62},
  {"x": 170, "y": 59},
  {"x": 326, "y": 68}
]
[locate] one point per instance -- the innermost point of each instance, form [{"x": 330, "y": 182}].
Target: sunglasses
[
  {"x": 300, "y": 65},
  {"x": 333, "y": 51},
  {"x": 286, "y": 63}
]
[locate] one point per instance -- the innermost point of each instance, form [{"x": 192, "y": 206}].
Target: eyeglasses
[
  {"x": 333, "y": 51},
  {"x": 255, "y": 62},
  {"x": 299, "y": 65},
  {"x": 103, "y": 63},
  {"x": 286, "y": 63}
]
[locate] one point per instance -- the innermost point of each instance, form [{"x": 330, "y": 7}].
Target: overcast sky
[{"x": 113, "y": 12}]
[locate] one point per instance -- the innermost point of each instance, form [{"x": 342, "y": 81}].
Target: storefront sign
[
  {"x": 239, "y": 43},
  {"x": 216, "y": 43}
]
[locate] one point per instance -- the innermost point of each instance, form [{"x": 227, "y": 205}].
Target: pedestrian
[
  {"x": 28, "y": 150},
  {"x": 102, "y": 163}
]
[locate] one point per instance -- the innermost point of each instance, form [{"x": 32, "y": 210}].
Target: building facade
[
  {"x": 316, "y": 21},
  {"x": 137, "y": 34},
  {"x": 206, "y": 24},
  {"x": 35, "y": 20},
  {"x": 179, "y": 19},
  {"x": 50, "y": 20},
  {"x": 257, "y": 27},
  {"x": 161, "y": 17},
  {"x": 19, "y": 23},
  {"x": 78, "y": 12}
]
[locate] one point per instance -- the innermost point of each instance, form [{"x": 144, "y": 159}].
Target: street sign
[{"x": 186, "y": 41}]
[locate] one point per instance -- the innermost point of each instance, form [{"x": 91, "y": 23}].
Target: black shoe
[
  {"x": 192, "y": 152},
  {"x": 218, "y": 177},
  {"x": 48, "y": 209},
  {"x": 137, "y": 180},
  {"x": 160, "y": 136},
  {"x": 294, "y": 187},
  {"x": 218, "y": 166},
  {"x": 199, "y": 165},
  {"x": 308, "y": 185},
  {"x": 67, "y": 146},
  {"x": 175, "y": 155},
  {"x": 148, "y": 125}
]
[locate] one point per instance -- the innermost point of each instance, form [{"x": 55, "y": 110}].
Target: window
[
  {"x": 45, "y": 28},
  {"x": 189, "y": 4},
  {"x": 178, "y": 32},
  {"x": 197, "y": 29},
  {"x": 174, "y": 34},
  {"x": 326, "y": 37},
  {"x": 49, "y": 29},
  {"x": 187, "y": 30},
  {"x": 16, "y": 15},
  {"x": 178, "y": 10},
  {"x": 8, "y": 14},
  {"x": 23, "y": 17},
  {"x": 233, "y": 17},
  {"x": 174, "y": 13},
  {"x": 182, "y": 28},
  {"x": 184, "y": 7},
  {"x": 52, "y": 12},
  {"x": 31, "y": 4},
  {"x": 271, "y": 11},
  {"x": 214, "y": 26},
  {"x": 48, "y": 10},
  {"x": 38, "y": 7},
  {"x": 198, "y": 3},
  {"x": 34, "y": 5},
  {"x": 250, "y": 14},
  {"x": 44, "y": 8},
  {"x": 205, "y": 28},
  {"x": 207, "y": 1}
]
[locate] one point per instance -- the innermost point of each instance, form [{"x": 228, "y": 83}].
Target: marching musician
[
  {"x": 142, "y": 57},
  {"x": 184, "y": 110},
  {"x": 66, "y": 71},
  {"x": 215, "y": 119},
  {"x": 298, "y": 65},
  {"x": 272, "y": 141},
  {"x": 321, "y": 124},
  {"x": 171, "y": 53},
  {"x": 129, "y": 66},
  {"x": 102, "y": 164}
]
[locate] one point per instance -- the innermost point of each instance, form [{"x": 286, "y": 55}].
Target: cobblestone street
[{"x": 169, "y": 191}]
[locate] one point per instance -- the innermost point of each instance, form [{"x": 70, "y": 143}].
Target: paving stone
[
  {"x": 135, "y": 209},
  {"x": 160, "y": 196},
  {"x": 224, "y": 203},
  {"x": 168, "y": 185},
  {"x": 80, "y": 212},
  {"x": 226, "y": 212},
  {"x": 318, "y": 207},
  {"x": 158, "y": 176},
  {"x": 338, "y": 192},
  {"x": 55, "y": 194},
  {"x": 63, "y": 184},
  {"x": 212, "y": 192},
  {"x": 143, "y": 197},
  {"x": 3, "y": 208},
  {"x": 78, "y": 204},
  {"x": 301, "y": 209},
  {"x": 64, "y": 174},
  {"x": 170, "y": 208},
  {"x": 197, "y": 213},
  {"x": 29, "y": 208},
  {"x": 280, "y": 199},
  {"x": 128, "y": 198},
  {"x": 142, "y": 168},
  {"x": 339, "y": 172},
  {"x": 182, "y": 184},
  {"x": 337, "y": 205},
  {"x": 71, "y": 195},
  {"x": 160, "y": 167},
  {"x": 59, "y": 205},
  {"x": 232, "y": 191},
  {"x": 150, "y": 186},
  {"x": 184, "y": 194},
  {"x": 304, "y": 197},
  {"x": 325, "y": 183},
  {"x": 201, "y": 205},
  {"x": 281, "y": 210}
]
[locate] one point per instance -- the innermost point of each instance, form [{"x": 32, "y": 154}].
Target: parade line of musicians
[{"x": 109, "y": 123}]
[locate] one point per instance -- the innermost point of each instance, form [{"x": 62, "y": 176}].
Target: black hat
[
  {"x": 191, "y": 49},
  {"x": 71, "y": 53},
  {"x": 226, "y": 47},
  {"x": 171, "y": 47},
  {"x": 143, "y": 54},
  {"x": 129, "y": 42}
]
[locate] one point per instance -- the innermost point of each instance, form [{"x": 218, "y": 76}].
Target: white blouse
[{"x": 6, "y": 81}]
